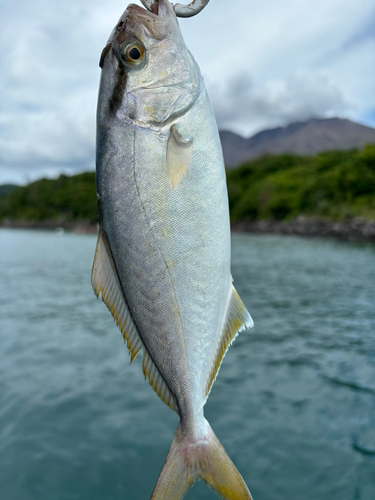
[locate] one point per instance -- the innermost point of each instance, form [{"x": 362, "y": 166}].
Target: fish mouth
[
  {"x": 159, "y": 7},
  {"x": 138, "y": 20},
  {"x": 141, "y": 23},
  {"x": 140, "y": 12}
]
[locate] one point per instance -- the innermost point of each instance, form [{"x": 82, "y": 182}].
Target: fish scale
[{"x": 162, "y": 264}]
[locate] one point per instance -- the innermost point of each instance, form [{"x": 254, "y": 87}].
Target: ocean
[{"x": 294, "y": 402}]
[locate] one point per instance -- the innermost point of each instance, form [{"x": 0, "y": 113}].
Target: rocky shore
[
  {"x": 81, "y": 226},
  {"x": 355, "y": 229}
]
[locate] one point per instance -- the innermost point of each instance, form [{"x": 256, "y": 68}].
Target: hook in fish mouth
[{"x": 189, "y": 10}]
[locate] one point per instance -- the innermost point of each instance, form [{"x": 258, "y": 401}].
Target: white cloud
[
  {"x": 244, "y": 106},
  {"x": 265, "y": 64}
]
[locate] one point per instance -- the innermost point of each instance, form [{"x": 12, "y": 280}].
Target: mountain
[
  {"x": 7, "y": 188},
  {"x": 302, "y": 138}
]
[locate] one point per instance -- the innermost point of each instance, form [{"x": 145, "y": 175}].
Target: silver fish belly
[{"x": 162, "y": 263}]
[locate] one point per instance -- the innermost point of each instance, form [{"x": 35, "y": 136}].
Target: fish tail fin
[{"x": 188, "y": 461}]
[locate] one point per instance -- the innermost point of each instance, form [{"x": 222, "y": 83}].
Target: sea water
[{"x": 294, "y": 402}]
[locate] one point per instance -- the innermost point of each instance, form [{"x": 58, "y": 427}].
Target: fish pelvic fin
[
  {"x": 237, "y": 318},
  {"x": 106, "y": 284},
  {"x": 189, "y": 461}
]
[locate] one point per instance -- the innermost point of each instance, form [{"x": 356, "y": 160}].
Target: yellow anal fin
[
  {"x": 106, "y": 283},
  {"x": 236, "y": 319},
  {"x": 178, "y": 156},
  {"x": 157, "y": 382}
]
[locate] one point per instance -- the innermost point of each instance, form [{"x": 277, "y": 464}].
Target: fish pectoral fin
[
  {"x": 178, "y": 156},
  {"x": 237, "y": 318},
  {"x": 106, "y": 283}
]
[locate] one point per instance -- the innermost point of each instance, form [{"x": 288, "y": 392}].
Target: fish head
[{"x": 148, "y": 74}]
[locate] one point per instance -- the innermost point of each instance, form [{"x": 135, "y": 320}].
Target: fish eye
[{"x": 133, "y": 53}]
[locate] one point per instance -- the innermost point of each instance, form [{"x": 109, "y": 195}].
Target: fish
[{"x": 162, "y": 260}]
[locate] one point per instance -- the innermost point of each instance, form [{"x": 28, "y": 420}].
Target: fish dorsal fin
[
  {"x": 106, "y": 283},
  {"x": 178, "y": 156},
  {"x": 236, "y": 319}
]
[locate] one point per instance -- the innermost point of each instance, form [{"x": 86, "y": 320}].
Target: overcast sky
[{"x": 266, "y": 63}]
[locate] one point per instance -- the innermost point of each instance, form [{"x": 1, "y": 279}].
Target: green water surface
[{"x": 294, "y": 402}]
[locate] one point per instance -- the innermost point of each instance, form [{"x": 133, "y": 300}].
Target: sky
[{"x": 265, "y": 64}]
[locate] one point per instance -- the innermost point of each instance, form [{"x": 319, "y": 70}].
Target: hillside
[
  {"x": 336, "y": 185},
  {"x": 7, "y": 188},
  {"x": 62, "y": 200},
  {"x": 306, "y": 138}
]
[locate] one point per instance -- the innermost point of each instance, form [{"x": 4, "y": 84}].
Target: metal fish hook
[
  {"x": 191, "y": 9},
  {"x": 181, "y": 10}
]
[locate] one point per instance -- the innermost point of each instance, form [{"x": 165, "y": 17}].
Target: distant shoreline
[
  {"x": 81, "y": 227},
  {"x": 355, "y": 229}
]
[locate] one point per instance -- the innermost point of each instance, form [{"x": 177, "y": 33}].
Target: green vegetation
[
  {"x": 334, "y": 186},
  {"x": 66, "y": 198}
]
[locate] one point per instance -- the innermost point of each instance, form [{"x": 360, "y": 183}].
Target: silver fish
[{"x": 162, "y": 261}]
